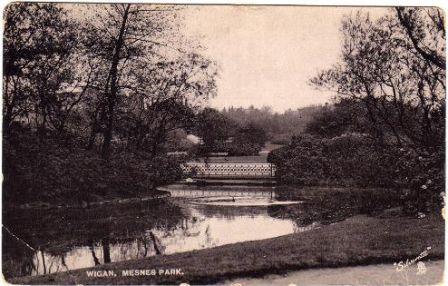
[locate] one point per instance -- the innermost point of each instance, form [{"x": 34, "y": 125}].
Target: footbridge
[
  {"x": 226, "y": 176},
  {"x": 229, "y": 170}
]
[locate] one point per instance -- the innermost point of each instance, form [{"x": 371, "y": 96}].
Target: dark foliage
[
  {"x": 247, "y": 141},
  {"x": 42, "y": 169},
  {"x": 87, "y": 117},
  {"x": 220, "y": 133},
  {"x": 214, "y": 128},
  {"x": 355, "y": 160}
]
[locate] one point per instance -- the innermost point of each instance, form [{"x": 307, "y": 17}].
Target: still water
[{"x": 64, "y": 242}]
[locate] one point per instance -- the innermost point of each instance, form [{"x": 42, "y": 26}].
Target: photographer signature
[{"x": 421, "y": 268}]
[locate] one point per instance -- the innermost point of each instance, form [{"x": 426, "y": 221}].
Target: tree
[
  {"x": 425, "y": 28},
  {"x": 344, "y": 116},
  {"x": 167, "y": 97},
  {"x": 120, "y": 77},
  {"x": 279, "y": 127},
  {"x": 395, "y": 68},
  {"x": 141, "y": 73},
  {"x": 39, "y": 41},
  {"x": 383, "y": 68},
  {"x": 248, "y": 140},
  {"x": 214, "y": 128}
]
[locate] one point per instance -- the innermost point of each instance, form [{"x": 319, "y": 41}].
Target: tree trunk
[
  {"x": 112, "y": 98},
  {"x": 7, "y": 111},
  {"x": 106, "y": 250}
]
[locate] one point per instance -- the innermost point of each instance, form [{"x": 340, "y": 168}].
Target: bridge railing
[{"x": 227, "y": 169}]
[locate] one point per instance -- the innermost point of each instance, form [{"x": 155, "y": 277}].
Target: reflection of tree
[
  {"x": 230, "y": 212},
  {"x": 43, "y": 262},
  {"x": 28, "y": 266},
  {"x": 58, "y": 231},
  {"x": 61, "y": 229},
  {"x": 302, "y": 214},
  {"x": 319, "y": 209},
  {"x": 106, "y": 250},
  {"x": 11, "y": 248},
  {"x": 157, "y": 245},
  {"x": 208, "y": 237},
  {"x": 54, "y": 265},
  {"x": 95, "y": 259},
  {"x": 145, "y": 245},
  {"x": 63, "y": 261}
]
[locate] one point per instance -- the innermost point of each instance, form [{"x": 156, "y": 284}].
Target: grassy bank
[{"x": 350, "y": 242}]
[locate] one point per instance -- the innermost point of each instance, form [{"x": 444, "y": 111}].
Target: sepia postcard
[{"x": 181, "y": 144}]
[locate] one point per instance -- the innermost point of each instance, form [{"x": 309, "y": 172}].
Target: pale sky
[{"x": 267, "y": 54}]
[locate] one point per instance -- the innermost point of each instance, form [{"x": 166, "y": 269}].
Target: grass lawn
[{"x": 358, "y": 240}]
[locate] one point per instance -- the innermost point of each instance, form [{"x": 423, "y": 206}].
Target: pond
[{"x": 61, "y": 240}]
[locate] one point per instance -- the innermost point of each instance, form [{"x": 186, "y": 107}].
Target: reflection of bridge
[
  {"x": 237, "y": 170},
  {"x": 247, "y": 192}
]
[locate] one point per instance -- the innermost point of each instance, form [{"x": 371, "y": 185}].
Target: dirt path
[{"x": 380, "y": 274}]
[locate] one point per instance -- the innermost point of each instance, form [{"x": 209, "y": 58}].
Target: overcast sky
[{"x": 267, "y": 54}]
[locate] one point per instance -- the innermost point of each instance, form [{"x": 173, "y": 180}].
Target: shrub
[
  {"x": 44, "y": 170},
  {"x": 354, "y": 160}
]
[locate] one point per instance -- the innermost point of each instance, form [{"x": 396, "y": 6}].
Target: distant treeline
[
  {"x": 279, "y": 127},
  {"x": 244, "y": 131}
]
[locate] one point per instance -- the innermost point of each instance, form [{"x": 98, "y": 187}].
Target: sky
[{"x": 267, "y": 54}]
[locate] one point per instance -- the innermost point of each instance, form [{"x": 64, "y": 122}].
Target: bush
[
  {"x": 248, "y": 141},
  {"x": 354, "y": 160},
  {"x": 281, "y": 139},
  {"x": 421, "y": 173},
  {"x": 44, "y": 170},
  {"x": 244, "y": 149}
]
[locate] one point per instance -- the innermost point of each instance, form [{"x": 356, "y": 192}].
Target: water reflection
[
  {"x": 95, "y": 236},
  {"x": 220, "y": 191}
]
